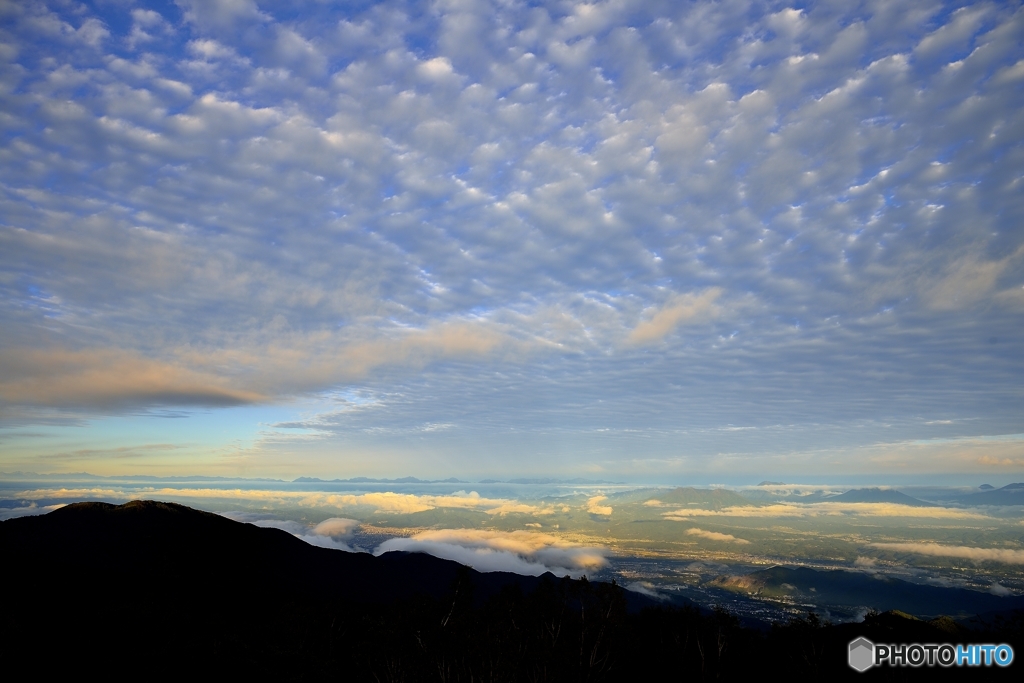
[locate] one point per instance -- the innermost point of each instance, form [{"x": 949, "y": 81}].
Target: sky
[{"x": 629, "y": 241}]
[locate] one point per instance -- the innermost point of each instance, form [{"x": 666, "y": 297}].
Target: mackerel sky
[{"x": 629, "y": 240}]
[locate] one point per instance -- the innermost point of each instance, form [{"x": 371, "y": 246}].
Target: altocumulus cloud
[
  {"x": 521, "y": 552},
  {"x": 551, "y": 221}
]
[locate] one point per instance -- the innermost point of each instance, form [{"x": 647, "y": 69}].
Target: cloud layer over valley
[
  {"x": 335, "y": 532},
  {"x": 521, "y": 552}
]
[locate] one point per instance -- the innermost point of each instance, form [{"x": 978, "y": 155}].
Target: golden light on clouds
[
  {"x": 385, "y": 502},
  {"x": 594, "y": 506},
  {"x": 679, "y": 309},
  {"x": 1004, "y": 555}
]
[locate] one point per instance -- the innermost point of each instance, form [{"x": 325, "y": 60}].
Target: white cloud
[
  {"x": 334, "y": 533},
  {"x": 646, "y": 588},
  {"x": 336, "y": 528},
  {"x": 210, "y": 49},
  {"x": 28, "y": 510},
  {"x": 521, "y": 552},
  {"x": 997, "y": 589}
]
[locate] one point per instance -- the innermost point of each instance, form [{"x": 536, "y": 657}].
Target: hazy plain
[{"x": 697, "y": 543}]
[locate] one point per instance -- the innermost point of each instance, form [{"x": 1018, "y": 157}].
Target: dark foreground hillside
[{"x": 157, "y": 590}]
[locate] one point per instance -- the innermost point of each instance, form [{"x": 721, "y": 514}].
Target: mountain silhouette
[
  {"x": 187, "y": 551},
  {"x": 149, "y": 584},
  {"x": 162, "y": 591}
]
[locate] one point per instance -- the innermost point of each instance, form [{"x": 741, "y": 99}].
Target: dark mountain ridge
[
  {"x": 103, "y": 544},
  {"x": 170, "y": 592}
]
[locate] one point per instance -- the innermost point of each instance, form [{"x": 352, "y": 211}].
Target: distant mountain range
[
  {"x": 535, "y": 481},
  {"x": 876, "y": 495},
  {"x": 707, "y": 499},
  {"x": 541, "y": 481},
  {"x": 368, "y": 480},
  {"x": 85, "y": 476},
  {"x": 1011, "y": 494}
]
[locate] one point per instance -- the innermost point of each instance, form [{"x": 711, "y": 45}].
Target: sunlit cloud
[
  {"x": 715, "y": 536},
  {"x": 253, "y": 374},
  {"x": 594, "y": 506},
  {"x": 379, "y": 502},
  {"x": 109, "y": 377},
  {"x": 1004, "y": 555},
  {"x": 680, "y": 309}
]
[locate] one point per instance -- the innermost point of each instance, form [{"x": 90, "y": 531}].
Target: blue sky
[{"x": 638, "y": 240}]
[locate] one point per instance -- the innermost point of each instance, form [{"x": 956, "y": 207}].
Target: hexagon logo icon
[{"x": 862, "y": 654}]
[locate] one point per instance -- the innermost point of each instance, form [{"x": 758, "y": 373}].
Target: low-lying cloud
[
  {"x": 28, "y": 510},
  {"x": 333, "y": 533},
  {"x": 594, "y": 506},
  {"x": 646, "y": 588},
  {"x": 830, "y": 509},
  {"x": 715, "y": 536},
  {"x": 1004, "y": 555},
  {"x": 521, "y": 552},
  {"x": 866, "y": 564},
  {"x": 384, "y": 502}
]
